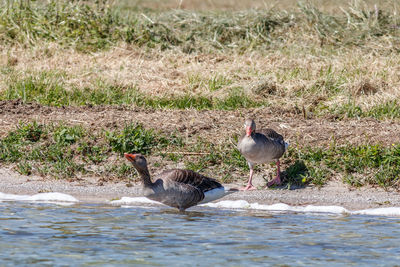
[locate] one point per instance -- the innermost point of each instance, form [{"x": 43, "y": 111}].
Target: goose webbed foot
[
  {"x": 276, "y": 181},
  {"x": 248, "y": 187}
]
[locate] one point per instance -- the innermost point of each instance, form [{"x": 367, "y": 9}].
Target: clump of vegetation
[
  {"x": 65, "y": 151},
  {"x": 133, "y": 138},
  {"x": 96, "y": 25}
]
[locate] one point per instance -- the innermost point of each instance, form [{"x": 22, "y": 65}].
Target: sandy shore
[{"x": 90, "y": 191}]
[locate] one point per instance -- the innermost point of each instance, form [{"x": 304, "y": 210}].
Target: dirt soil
[{"x": 216, "y": 126}]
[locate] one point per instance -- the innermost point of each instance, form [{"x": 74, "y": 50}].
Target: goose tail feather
[
  {"x": 217, "y": 193},
  {"x": 286, "y": 145}
]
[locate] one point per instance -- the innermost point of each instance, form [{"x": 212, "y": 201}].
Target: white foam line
[
  {"x": 41, "y": 197},
  {"x": 390, "y": 211},
  {"x": 126, "y": 202},
  {"x": 278, "y": 207},
  {"x": 242, "y": 204}
]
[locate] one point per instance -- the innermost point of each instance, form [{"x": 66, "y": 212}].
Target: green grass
[
  {"x": 385, "y": 110},
  {"x": 83, "y": 26},
  {"x": 65, "y": 151},
  {"x": 48, "y": 88},
  {"x": 33, "y": 143},
  {"x": 358, "y": 165},
  {"x": 90, "y": 26},
  {"x": 94, "y": 25}
]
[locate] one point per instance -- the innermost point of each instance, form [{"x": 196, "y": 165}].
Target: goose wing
[
  {"x": 272, "y": 143},
  {"x": 270, "y": 133},
  {"x": 189, "y": 178}
]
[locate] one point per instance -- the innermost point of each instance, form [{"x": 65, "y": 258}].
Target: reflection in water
[{"x": 46, "y": 234}]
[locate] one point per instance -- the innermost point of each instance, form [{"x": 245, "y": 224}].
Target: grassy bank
[
  {"x": 320, "y": 59},
  {"x": 328, "y": 61},
  {"x": 64, "y": 151}
]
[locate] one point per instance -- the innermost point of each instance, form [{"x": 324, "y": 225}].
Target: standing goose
[
  {"x": 176, "y": 188},
  {"x": 262, "y": 146}
]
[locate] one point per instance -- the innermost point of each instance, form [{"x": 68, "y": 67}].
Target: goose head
[
  {"x": 137, "y": 160},
  {"x": 250, "y": 127}
]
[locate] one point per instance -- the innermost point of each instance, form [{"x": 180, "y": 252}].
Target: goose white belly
[{"x": 214, "y": 194}]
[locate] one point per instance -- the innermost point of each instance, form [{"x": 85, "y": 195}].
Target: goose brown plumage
[
  {"x": 177, "y": 188},
  {"x": 261, "y": 146}
]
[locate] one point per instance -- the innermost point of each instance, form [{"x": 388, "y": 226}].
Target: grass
[
  {"x": 64, "y": 151},
  {"x": 90, "y": 26},
  {"x": 48, "y": 88},
  {"x": 339, "y": 60},
  {"x": 86, "y": 27},
  {"x": 311, "y": 56},
  {"x": 358, "y": 165},
  {"x": 385, "y": 110}
]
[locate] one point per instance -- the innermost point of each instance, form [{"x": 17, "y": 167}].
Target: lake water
[{"x": 50, "y": 234}]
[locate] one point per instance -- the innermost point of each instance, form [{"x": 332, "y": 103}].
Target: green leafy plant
[{"x": 133, "y": 138}]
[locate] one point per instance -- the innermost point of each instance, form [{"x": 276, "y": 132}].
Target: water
[{"x": 45, "y": 234}]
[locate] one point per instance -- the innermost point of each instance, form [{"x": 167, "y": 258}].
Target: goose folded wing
[
  {"x": 271, "y": 134},
  {"x": 192, "y": 178}
]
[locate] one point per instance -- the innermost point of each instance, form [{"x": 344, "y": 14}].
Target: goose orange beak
[
  {"x": 248, "y": 131},
  {"x": 130, "y": 157}
]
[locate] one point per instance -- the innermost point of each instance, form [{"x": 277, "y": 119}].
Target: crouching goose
[
  {"x": 177, "y": 188},
  {"x": 262, "y": 146}
]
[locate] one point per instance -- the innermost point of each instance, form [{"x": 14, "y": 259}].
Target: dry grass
[
  {"x": 297, "y": 79},
  {"x": 309, "y": 60},
  {"x": 324, "y": 5}
]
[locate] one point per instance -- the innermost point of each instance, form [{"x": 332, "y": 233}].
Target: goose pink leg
[
  {"x": 249, "y": 184},
  {"x": 277, "y": 180}
]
